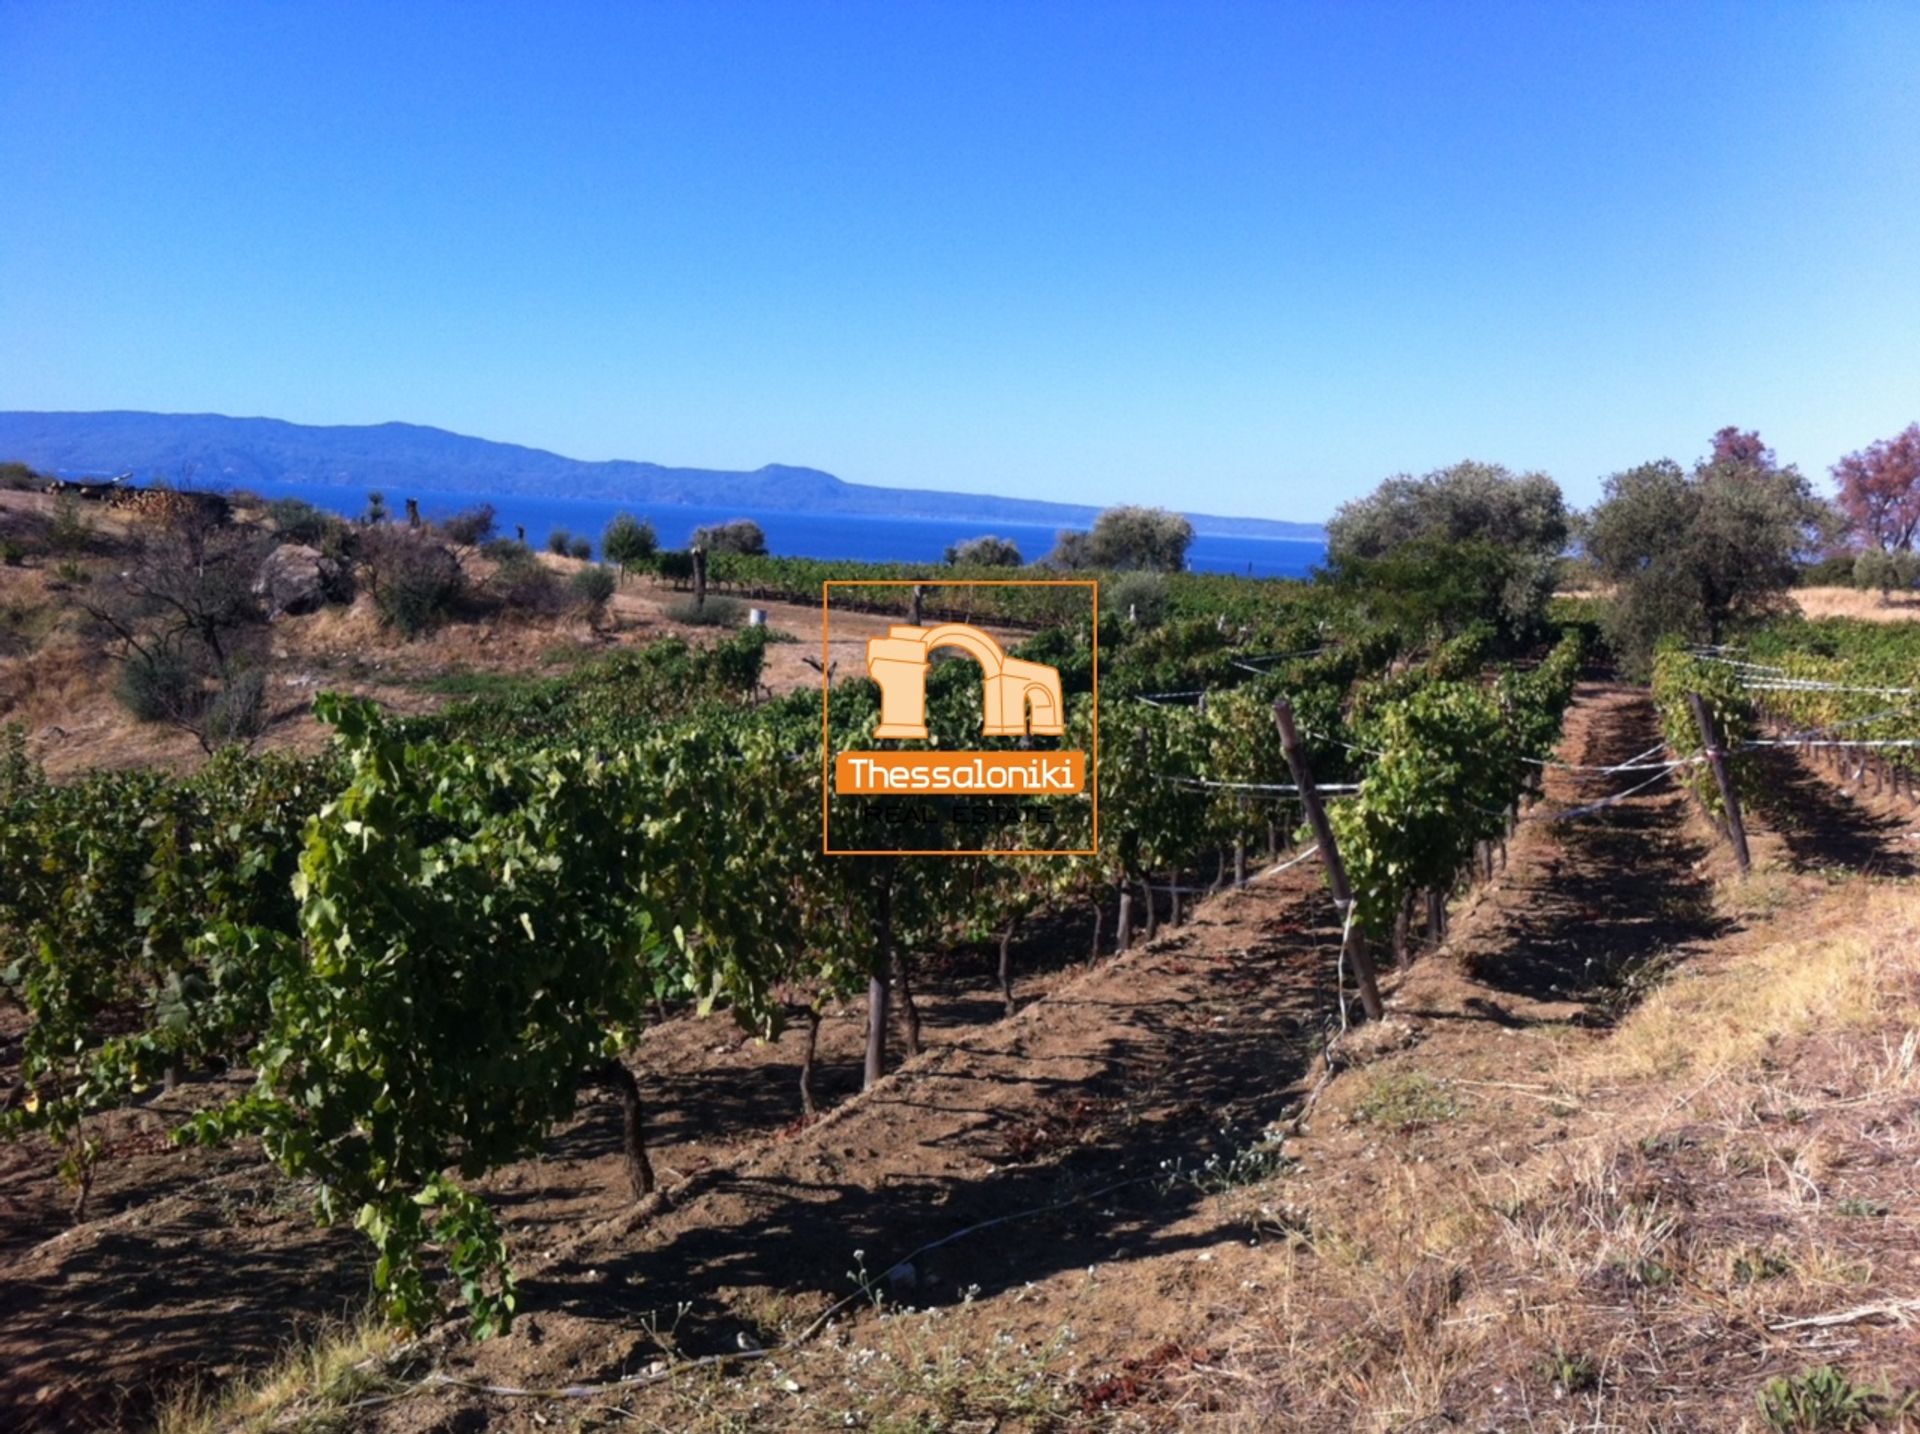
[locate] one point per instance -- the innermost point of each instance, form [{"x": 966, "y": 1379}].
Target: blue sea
[{"x": 800, "y": 535}]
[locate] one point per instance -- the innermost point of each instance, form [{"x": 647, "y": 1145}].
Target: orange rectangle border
[
  {"x": 974, "y": 774},
  {"x": 826, "y": 689}
]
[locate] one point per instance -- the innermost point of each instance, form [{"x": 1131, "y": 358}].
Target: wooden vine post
[
  {"x": 1717, "y": 760},
  {"x": 699, "y": 579},
  {"x": 919, "y": 602},
  {"x": 1356, "y": 942}
]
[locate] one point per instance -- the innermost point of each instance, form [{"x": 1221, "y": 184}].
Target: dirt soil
[{"x": 1480, "y": 1186}]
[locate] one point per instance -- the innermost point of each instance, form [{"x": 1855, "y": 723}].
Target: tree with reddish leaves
[
  {"x": 1735, "y": 449},
  {"x": 1880, "y": 490}
]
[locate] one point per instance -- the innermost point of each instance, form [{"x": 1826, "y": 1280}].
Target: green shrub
[
  {"x": 159, "y": 686},
  {"x": 675, "y": 566},
  {"x": 10, "y": 555},
  {"x": 71, "y": 532},
  {"x": 718, "y": 612},
  {"x": 1405, "y": 1100},
  {"x": 298, "y": 521},
  {"x": 238, "y": 711},
  {"x": 985, "y": 552},
  {"x": 19, "y": 478},
  {"x": 416, "y": 583},
  {"x": 559, "y": 541},
  {"x": 1833, "y": 572},
  {"x": 1143, "y": 596},
  {"x": 1826, "y": 1399},
  {"x": 592, "y": 590},
  {"x": 470, "y": 527}
]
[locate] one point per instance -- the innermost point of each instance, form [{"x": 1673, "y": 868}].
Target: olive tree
[
  {"x": 1697, "y": 553},
  {"x": 984, "y": 552},
  {"x": 736, "y": 535},
  {"x": 1127, "y": 537},
  {"x": 628, "y": 542},
  {"x": 1507, "y": 529}
]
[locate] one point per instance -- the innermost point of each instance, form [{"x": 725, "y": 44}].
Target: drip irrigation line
[
  {"x": 635, "y": 1381},
  {"x": 1904, "y": 710},
  {"x": 1734, "y": 662},
  {"x": 1348, "y": 746},
  {"x": 1837, "y": 742},
  {"x": 1636, "y": 763},
  {"x": 1282, "y": 789},
  {"x": 1569, "y": 813},
  {"x": 1809, "y": 685},
  {"x": 1247, "y": 663},
  {"x": 1291, "y": 861}
]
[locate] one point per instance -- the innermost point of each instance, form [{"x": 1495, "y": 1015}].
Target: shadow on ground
[{"x": 1622, "y": 899}]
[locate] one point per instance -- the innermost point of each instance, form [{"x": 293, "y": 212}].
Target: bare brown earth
[{"x": 1628, "y": 1126}]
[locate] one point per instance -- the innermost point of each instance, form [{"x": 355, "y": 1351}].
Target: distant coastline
[
  {"x": 411, "y": 460},
  {"x": 863, "y": 537}
]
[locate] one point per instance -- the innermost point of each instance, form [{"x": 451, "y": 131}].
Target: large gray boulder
[{"x": 296, "y": 579}]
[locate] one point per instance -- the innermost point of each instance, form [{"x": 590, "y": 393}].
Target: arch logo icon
[
  {"x": 1019, "y": 698},
  {"x": 939, "y": 801}
]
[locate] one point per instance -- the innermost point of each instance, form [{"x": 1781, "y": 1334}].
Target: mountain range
[{"x": 207, "y": 450}]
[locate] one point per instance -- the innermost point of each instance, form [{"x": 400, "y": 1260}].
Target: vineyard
[{"x": 421, "y": 948}]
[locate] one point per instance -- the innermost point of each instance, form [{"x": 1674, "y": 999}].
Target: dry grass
[
  {"x": 318, "y": 1385},
  {"x": 1862, "y": 606},
  {"x": 1733, "y": 1156},
  {"x": 1861, "y": 972}
]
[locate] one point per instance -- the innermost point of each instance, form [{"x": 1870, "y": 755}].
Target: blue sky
[{"x": 1232, "y": 258}]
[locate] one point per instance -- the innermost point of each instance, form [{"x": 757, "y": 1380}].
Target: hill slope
[{"x": 211, "y": 450}]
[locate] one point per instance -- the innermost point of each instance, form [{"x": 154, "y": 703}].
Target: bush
[
  {"x": 581, "y": 548},
  {"x": 675, "y": 566},
  {"x": 1832, "y": 572},
  {"x": 71, "y": 532},
  {"x": 470, "y": 527},
  {"x": 416, "y": 582},
  {"x": 985, "y": 552},
  {"x": 718, "y": 612},
  {"x": 525, "y": 584},
  {"x": 159, "y": 685},
  {"x": 592, "y": 590},
  {"x": 1874, "y": 570},
  {"x": 18, "y": 478},
  {"x": 238, "y": 711},
  {"x": 298, "y": 521},
  {"x": 736, "y": 535},
  {"x": 1142, "y": 596},
  {"x": 558, "y": 541},
  {"x": 10, "y": 555},
  {"x": 506, "y": 550}
]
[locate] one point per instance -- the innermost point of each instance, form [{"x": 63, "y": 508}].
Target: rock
[{"x": 296, "y": 579}]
